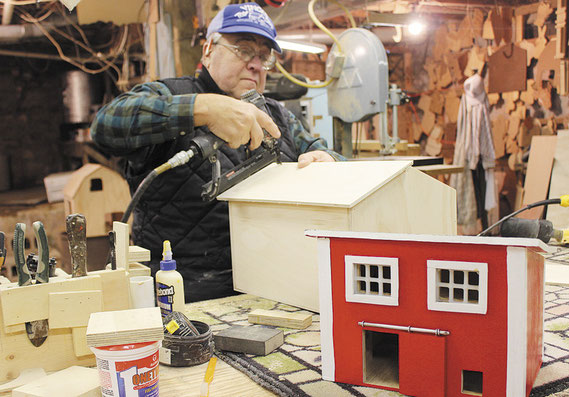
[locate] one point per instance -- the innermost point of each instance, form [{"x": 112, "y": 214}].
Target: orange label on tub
[{"x": 138, "y": 377}]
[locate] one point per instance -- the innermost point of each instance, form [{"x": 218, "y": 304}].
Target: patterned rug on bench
[{"x": 294, "y": 368}]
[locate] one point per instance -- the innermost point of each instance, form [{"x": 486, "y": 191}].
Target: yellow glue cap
[{"x": 167, "y": 251}]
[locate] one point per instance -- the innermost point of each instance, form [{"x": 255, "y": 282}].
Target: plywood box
[{"x": 270, "y": 211}]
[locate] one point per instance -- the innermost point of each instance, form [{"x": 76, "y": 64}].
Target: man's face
[{"x": 231, "y": 73}]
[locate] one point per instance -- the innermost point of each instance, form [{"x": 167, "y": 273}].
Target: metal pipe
[
  {"x": 13, "y": 34},
  {"x": 408, "y": 328}
]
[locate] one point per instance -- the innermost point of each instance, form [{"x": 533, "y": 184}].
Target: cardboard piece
[
  {"x": 453, "y": 65},
  {"x": 547, "y": 68},
  {"x": 499, "y": 128},
  {"x": 507, "y": 69},
  {"x": 424, "y": 102},
  {"x": 487, "y": 29},
  {"x": 538, "y": 174},
  {"x": 559, "y": 181},
  {"x": 543, "y": 11},
  {"x": 476, "y": 61},
  {"x": 428, "y": 122},
  {"x": 452, "y": 104},
  {"x": 437, "y": 102},
  {"x": 130, "y": 11},
  {"x": 434, "y": 146},
  {"x": 528, "y": 96}
]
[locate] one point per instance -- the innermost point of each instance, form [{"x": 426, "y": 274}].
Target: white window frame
[
  {"x": 350, "y": 287},
  {"x": 459, "y": 307}
]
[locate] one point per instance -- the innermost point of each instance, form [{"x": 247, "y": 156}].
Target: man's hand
[
  {"x": 234, "y": 121},
  {"x": 316, "y": 156}
]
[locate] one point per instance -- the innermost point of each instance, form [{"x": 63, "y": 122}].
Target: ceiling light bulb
[{"x": 416, "y": 28}]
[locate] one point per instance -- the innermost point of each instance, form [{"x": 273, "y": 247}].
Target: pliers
[{"x": 24, "y": 272}]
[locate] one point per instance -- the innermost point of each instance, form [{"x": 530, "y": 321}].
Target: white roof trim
[{"x": 428, "y": 238}]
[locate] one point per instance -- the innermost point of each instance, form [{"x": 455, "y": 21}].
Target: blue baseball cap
[{"x": 244, "y": 18}]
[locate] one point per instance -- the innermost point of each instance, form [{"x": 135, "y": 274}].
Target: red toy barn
[{"x": 431, "y": 315}]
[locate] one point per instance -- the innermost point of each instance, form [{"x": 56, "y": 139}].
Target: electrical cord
[
  {"x": 329, "y": 33},
  {"x": 178, "y": 159},
  {"x": 563, "y": 201}
]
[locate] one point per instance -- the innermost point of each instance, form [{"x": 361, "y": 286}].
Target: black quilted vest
[{"x": 172, "y": 208}]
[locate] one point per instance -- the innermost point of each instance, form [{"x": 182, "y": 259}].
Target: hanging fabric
[{"x": 474, "y": 145}]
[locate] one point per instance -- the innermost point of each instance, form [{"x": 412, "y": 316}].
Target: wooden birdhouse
[
  {"x": 431, "y": 315},
  {"x": 270, "y": 211},
  {"x": 100, "y": 194}
]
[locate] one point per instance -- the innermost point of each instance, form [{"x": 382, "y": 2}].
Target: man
[{"x": 154, "y": 121}]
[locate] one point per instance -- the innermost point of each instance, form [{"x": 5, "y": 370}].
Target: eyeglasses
[{"x": 246, "y": 53}]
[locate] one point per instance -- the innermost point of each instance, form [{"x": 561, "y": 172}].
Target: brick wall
[{"x": 31, "y": 113}]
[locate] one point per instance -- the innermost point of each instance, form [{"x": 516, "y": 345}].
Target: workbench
[
  {"x": 297, "y": 363},
  {"x": 294, "y": 368}
]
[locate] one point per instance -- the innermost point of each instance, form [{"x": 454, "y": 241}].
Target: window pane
[
  {"x": 473, "y": 296},
  {"x": 362, "y": 272},
  {"x": 443, "y": 294},
  {"x": 458, "y": 294},
  {"x": 386, "y": 272},
  {"x": 373, "y": 271},
  {"x": 473, "y": 278},
  {"x": 444, "y": 275},
  {"x": 458, "y": 276},
  {"x": 386, "y": 289},
  {"x": 362, "y": 286},
  {"x": 374, "y": 287}
]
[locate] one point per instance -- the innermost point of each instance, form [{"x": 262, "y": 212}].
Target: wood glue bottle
[{"x": 169, "y": 284}]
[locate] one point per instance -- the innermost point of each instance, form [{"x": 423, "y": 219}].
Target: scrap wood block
[
  {"x": 251, "y": 340},
  {"x": 72, "y": 309},
  {"x": 76, "y": 381},
  {"x": 31, "y": 302},
  {"x": 125, "y": 326},
  {"x": 115, "y": 289},
  {"x": 138, "y": 254},
  {"x": 279, "y": 318}
]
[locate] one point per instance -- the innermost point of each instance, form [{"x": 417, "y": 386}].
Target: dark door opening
[{"x": 381, "y": 359}]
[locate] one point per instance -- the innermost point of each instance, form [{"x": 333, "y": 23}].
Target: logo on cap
[{"x": 254, "y": 14}]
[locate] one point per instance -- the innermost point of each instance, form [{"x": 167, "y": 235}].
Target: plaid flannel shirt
[{"x": 151, "y": 115}]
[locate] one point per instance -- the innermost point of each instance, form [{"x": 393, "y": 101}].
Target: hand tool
[
  {"x": 176, "y": 323},
  {"x": 42, "y": 272},
  {"x": 113, "y": 252},
  {"x": 77, "y": 235},
  {"x": 270, "y": 153},
  {"x": 204, "y": 389},
  {"x": 205, "y": 147},
  {"x": 24, "y": 275},
  {"x": 38, "y": 330},
  {"x": 2, "y": 250}
]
